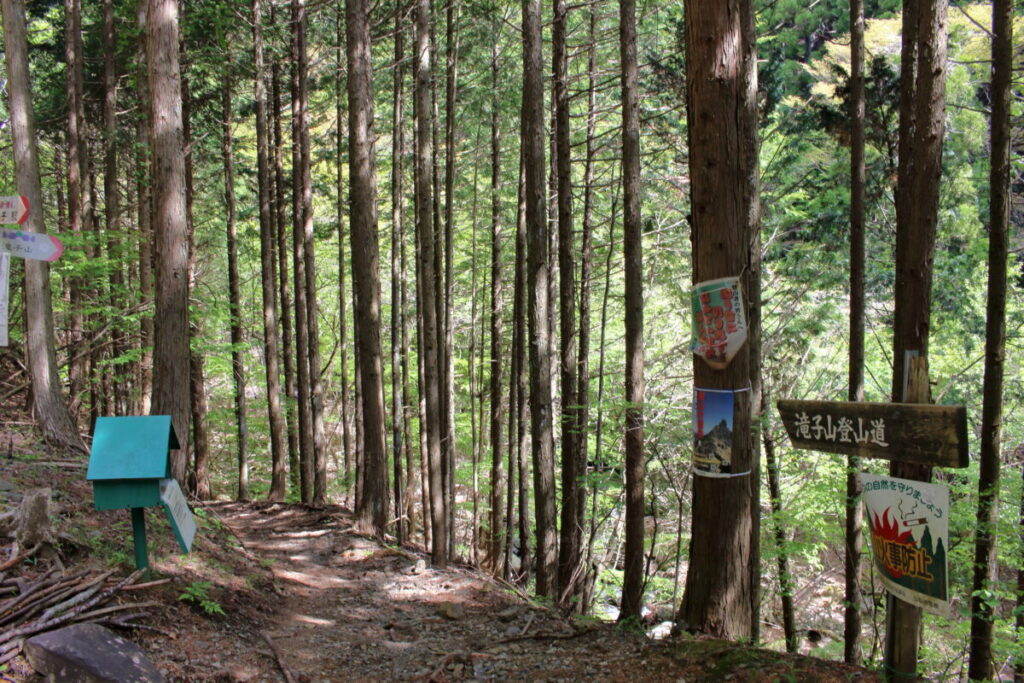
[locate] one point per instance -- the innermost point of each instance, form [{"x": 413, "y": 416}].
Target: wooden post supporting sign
[{"x": 912, "y": 433}]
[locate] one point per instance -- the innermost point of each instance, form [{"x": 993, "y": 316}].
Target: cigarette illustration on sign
[
  {"x": 719, "y": 325},
  {"x": 909, "y": 526},
  {"x": 712, "y": 432}
]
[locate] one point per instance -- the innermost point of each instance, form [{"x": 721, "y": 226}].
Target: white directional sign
[
  {"x": 13, "y": 210},
  {"x": 5, "y": 281},
  {"x": 178, "y": 513},
  {"x": 33, "y": 245}
]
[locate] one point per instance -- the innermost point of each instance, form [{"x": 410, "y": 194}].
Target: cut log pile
[{"x": 52, "y": 600}]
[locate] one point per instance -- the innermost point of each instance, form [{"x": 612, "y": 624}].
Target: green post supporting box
[{"x": 130, "y": 468}]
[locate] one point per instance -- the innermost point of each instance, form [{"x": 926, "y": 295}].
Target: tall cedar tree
[
  {"x": 538, "y": 296},
  {"x": 199, "y": 404},
  {"x": 573, "y": 492},
  {"x": 518, "y": 436},
  {"x": 112, "y": 206},
  {"x": 170, "y": 229},
  {"x": 340, "y": 80},
  {"x": 78, "y": 192},
  {"x": 373, "y": 504},
  {"x": 426, "y": 282},
  {"x": 275, "y": 414},
  {"x": 497, "y": 402},
  {"x": 279, "y": 205},
  {"x": 586, "y": 270},
  {"x": 922, "y": 126},
  {"x": 304, "y": 187},
  {"x": 632, "y": 240},
  {"x": 721, "y": 97},
  {"x": 234, "y": 287},
  {"x": 982, "y": 620},
  {"x": 398, "y": 426},
  {"x": 446, "y": 263},
  {"x": 143, "y": 195},
  {"x": 854, "y": 514},
  {"x": 48, "y": 403}
]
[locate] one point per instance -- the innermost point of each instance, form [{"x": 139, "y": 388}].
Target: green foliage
[{"x": 198, "y": 594}]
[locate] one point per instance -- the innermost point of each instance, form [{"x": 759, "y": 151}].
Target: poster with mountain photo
[
  {"x": 909, "y": 526},
  {"x": 712, "y": 432}
]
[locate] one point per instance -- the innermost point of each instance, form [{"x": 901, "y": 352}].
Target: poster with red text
[
  {"x": 909, "y": 526},
  {"x": 719, "y": 325}
]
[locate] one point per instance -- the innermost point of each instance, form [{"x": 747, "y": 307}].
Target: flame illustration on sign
[{"x": 889, "y": 541}]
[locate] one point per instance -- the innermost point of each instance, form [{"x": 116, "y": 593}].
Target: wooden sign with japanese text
[{"x": 905, "y": 432}]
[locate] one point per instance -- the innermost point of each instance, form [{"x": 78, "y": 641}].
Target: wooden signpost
[
  {"x": 918, "y": 433},
  {"x": 905, "y": 432}
]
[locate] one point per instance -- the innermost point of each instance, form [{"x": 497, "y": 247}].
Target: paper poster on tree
[
  {"x": 909, "y": 526},
  {"x": 712, "y": 432},
  {"x": 719, "y": 326}
]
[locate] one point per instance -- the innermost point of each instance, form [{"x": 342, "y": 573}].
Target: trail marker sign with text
[
  {"x": 13, "y": 210},
  {"x": 33, "y": 245},
  {"x": 905, "y": 432},
  {"x": 919, "y": 433},
  {"x": 129, "y": 467}
]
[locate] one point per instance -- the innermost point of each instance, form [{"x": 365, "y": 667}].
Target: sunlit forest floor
[{"x": 290, "y": 592}]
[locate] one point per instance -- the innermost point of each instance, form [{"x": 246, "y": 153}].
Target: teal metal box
[{"x": 129, "y": 457}]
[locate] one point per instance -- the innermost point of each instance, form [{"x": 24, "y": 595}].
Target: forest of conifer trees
[{"x": 435, "y": 262}]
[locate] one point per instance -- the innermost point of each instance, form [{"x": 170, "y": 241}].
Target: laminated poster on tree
[
  {"x": 719, "y": 324},
  {"x": 909, "y": 526}
]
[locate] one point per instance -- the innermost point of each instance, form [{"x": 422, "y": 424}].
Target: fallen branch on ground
[
  {"x": 289, "y": 676},
  {"x": 65, "y": 601}
]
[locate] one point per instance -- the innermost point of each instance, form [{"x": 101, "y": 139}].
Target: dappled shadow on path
[{"x": 353, "y": 609}]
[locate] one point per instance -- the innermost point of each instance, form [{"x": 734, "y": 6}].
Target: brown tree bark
[
  {"x": 234, "y": 289},
  {"x": 199, "y": 475},
  {"x": 496, "y": 522},
  {"x": 586, "y": 271},
  {"x": 373, "y": 505},
  {"x": 720, "y": 594},
  {"x": 303, "y": 397},
  {"x": 398, "y": 425},
  {"x": 538, "y": 277},
  {"x": 280, "y": 211},
  {"x": 144, "y": 199},
  {"x": 342, "y": 156},
  {"x": 279, "y": 470},
  {"x": 78, "y": 194},
  {"x": 170, "y": 339},
  {"x": 519, "y": 403},
  {"x": 426, "y": 282},
  {"x": 574, "y": 495},
  {"x": 786, "y": 583},
  {"x": 632, "y": 239},
  {"x": 49, "y": 405},
  {"x": 922, "y": 119},
  {"x": 112, "y": 210},
  {"x": 316, "y": 392},
  {"x": 854, "y": 514},
  {"x": 985, "y": 565}
]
